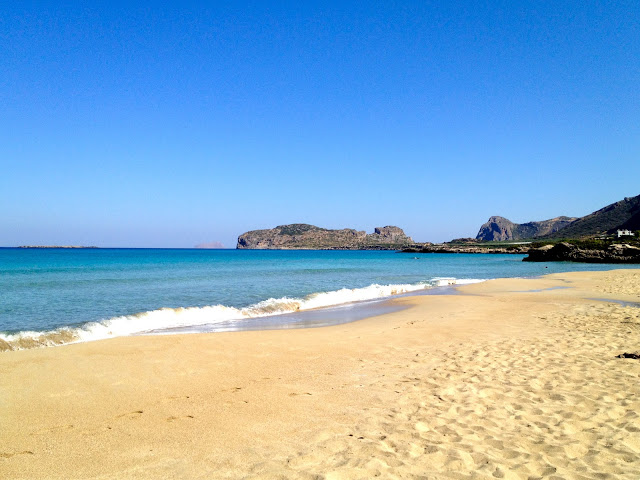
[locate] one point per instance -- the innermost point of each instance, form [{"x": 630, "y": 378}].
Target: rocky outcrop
[
  {"x": 390, "y": 234},
  {"x": 634, "y": 356},
  {"x": 567, "y": 252},
  {"x": 496, "y": 229},
  {"x": 309, "y": 237},
  {"x": 501, "y": 229},
  {"x": 449, "y": 248}
]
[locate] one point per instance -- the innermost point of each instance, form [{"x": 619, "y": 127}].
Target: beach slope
[{"x": 514, "y": 378}]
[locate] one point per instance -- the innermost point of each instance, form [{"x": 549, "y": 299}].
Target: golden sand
[{"x": 510, "y": 379}]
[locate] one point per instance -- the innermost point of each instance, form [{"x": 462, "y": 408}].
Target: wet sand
[{"x": 513, "y": 378}]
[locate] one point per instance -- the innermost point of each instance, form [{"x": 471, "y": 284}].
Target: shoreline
[
  {"x": 319, "y": 317},
  {"x": 514, "y": 378},
  {"x": 271, "y": 314}
]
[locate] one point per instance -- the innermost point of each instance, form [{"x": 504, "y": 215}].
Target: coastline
[
  {"x": 311, "y": 311},
  {"x": 511, "y": 378},
  {"x": 56, "y": 246}
]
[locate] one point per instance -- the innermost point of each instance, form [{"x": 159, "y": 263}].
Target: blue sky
[{"x": 169, "y": 127}]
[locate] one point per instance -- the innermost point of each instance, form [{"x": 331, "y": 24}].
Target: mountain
[
  {"x": 624, "y": 215},
  {"x": 303, "y": 236},
  {"x": 500, "y": 228}
]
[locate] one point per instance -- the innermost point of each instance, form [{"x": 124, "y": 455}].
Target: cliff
[
  {"x": 501, "y": 229},
  {"x": 309, "y": 237}
]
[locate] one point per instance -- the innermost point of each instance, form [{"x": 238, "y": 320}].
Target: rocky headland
[
  {"x": 567, "y": 252},
  {"x": 300, "y": 236},
  {"x": 499, "y": 229}
]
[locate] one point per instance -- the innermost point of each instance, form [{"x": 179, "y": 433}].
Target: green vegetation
[
  {"x": 624, "y": 214},
  {"x": 508, "y": 244},
  {"x": 297, "y": 229},
  {"x": 591, "y": 243}
]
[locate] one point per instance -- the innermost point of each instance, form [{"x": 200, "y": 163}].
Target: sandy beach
[{"x": 513, "y": 378}]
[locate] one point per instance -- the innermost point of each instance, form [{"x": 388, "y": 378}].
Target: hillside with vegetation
[{"x": 622, "y": 215}]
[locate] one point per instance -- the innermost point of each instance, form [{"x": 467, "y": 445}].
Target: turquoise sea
[{"x": 52, "y": 296}]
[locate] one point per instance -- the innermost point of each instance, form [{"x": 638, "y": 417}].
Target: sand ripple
[{"x": 557, "y": 406}]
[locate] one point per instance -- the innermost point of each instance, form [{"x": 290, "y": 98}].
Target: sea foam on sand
[{"x": 166, "y": 319}]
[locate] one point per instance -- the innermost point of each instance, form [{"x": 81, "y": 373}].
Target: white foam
[
  {"x": 169, "y": 318},
  {"x": 469, "y": 281},
  {"x": 443, "y": 281}
]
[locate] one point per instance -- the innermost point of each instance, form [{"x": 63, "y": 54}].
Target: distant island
[
  {"x": 301, "y": 236},
  {"x": 55, "y": 246},
  {"x": 210, "y": 245},
  {"x": 608, "y": 235}
]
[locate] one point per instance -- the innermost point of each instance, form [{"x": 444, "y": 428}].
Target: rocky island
[{"x": 301, "y": 236}]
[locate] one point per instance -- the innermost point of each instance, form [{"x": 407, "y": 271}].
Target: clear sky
[{"x": 169, "y": 127}]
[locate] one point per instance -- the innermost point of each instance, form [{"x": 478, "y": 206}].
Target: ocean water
[{"x": 54, "y": 296}]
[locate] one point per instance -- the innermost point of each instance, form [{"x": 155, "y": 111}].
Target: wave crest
[{"x": 169, "y": 318}]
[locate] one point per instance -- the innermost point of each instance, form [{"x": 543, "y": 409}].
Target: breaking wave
[{"x": 170, "y": 318}]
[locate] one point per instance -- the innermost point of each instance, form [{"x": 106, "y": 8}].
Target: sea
[{"x": 53, "y": 296}]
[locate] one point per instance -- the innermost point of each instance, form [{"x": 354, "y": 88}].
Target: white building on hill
[{"x": 625, "y": 233}]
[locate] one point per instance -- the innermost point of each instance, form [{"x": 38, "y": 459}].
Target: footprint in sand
[
  {"x": 575, "y": 450},
  {"x": 52, "y": 429},
  {"x": 134, "y": 414},
  {"x": 9, "y": 455},
  {"x": 172, "y": 418}
]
